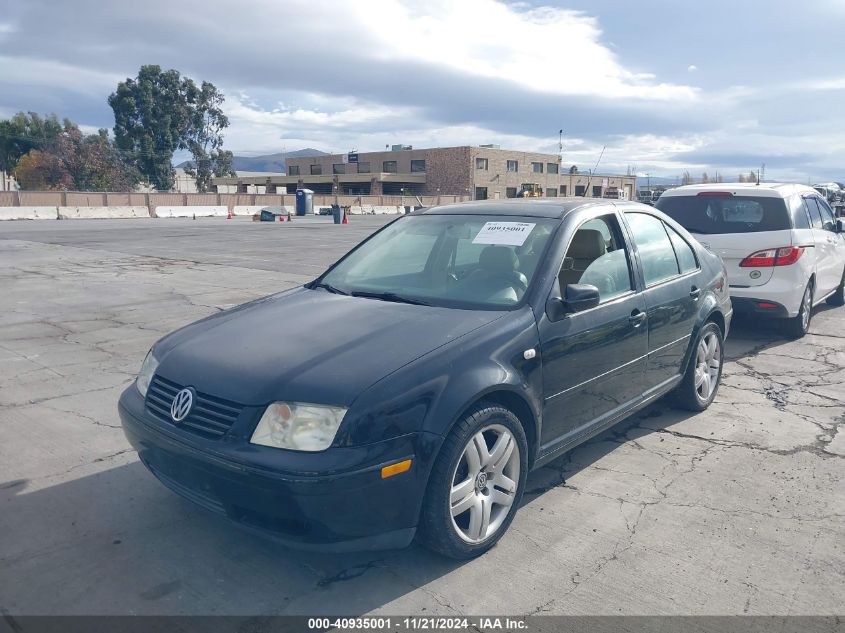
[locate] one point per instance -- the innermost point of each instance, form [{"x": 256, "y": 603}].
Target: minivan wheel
[
  {"x": 799, "y": 325},
  {"x": 704, "y": 371},
  {"x": 838, "y": 297},
  {"x": 476, "y": 483}
]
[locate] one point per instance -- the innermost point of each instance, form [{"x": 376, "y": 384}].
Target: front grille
[{"x": 210, "y": 417}]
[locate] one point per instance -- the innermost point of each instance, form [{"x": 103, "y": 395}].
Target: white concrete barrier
[
  {"x": 29, "y": 213},
  {"x": 102, "y": 213},
  {"x": 189, "y": 212},
  {"x": 371, "y": 209}
]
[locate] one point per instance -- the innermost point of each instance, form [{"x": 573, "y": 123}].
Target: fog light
[{"x": 395, "y": 469}]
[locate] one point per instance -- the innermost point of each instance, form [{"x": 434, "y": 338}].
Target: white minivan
[{"x": 782, "y": 246}]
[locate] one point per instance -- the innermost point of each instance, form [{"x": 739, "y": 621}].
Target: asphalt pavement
[{"x": 737, "y": 510}]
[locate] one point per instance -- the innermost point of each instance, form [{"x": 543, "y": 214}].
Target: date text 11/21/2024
[{"x": 417, "y": 623}]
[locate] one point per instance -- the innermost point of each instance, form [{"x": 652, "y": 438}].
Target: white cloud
[
  {"x": 544, "y": 48},
  {"x": 692, "y": 68}
]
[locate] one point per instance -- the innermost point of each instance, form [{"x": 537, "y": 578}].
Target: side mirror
[
  {"x": 579, "y": 297},
  {"x": 576, "y": 298}
]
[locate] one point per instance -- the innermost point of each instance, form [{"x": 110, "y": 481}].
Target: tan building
[{"x": 484, "y": 172}]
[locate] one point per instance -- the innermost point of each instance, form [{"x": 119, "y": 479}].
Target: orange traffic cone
[
  {"x": 281, "y": 218},
  {"x": 229, "y": 216},
  {"x": 345, "y": 218}
]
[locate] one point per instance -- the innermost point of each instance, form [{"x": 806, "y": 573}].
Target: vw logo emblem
[{"x": 182, "y": 403}]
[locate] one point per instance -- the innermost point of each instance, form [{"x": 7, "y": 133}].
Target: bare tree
[{"x": 686, "y": 179}]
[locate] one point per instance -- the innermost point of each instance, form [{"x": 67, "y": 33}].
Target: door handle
[
  {"x": 695, "y": 292},
  {"x": 637, "y": 318}
]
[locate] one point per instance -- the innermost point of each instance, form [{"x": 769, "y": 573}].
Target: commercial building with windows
[{"x": 483, "y": 172}]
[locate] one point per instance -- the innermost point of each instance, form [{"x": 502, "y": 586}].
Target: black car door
[
  {"x": 673, "y": 287},
  {"x": 593, "y": 361}
]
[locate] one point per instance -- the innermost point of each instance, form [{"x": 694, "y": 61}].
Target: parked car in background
[
  {"x": 455, "y": 350},
  {"x": 614, "y": 193},
  {"x": 830, "y": 191},
  {"x": 782, "y": 246},
  {"x": 648, "y": 197}
]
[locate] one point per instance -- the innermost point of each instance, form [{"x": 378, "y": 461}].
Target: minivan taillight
[{"x": 773, "y": 257}]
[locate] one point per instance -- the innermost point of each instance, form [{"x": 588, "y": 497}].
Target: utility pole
[{"x": 560, "y": 148}]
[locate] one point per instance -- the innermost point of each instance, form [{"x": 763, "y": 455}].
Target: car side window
[
  {"x": 828, "y": 221},
  {"x": 800, "y": 219},
  {"x": 686, "y": 256},
  {"x": 815, "y": 213},
  {"x": 655, "y": 248},
  {"x": 597, "y": 256}
]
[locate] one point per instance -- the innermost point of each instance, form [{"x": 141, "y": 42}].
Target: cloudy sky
[{"x": 665, "y": 85}]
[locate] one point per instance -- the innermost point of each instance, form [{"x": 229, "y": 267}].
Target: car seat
[{"x": 586, "y": 247}]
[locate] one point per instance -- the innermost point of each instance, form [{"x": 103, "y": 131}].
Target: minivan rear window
[{"x": 730, "y": 214}]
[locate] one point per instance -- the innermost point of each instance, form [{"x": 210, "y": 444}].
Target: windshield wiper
[
  {"x": 330, "y": 288},
  {"x": 389, "y": 296}
]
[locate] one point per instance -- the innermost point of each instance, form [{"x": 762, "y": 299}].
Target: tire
[
  {"x": 704, "y": 371},
  {"x": 463, "y": 471},
  {"x": 798, "y": 326},
  {"x": 838, "y": 297}
]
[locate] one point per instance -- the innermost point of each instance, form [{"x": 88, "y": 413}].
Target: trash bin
[
  {"x": 304, "y": 202},
  {"x": 337, "y": 213}
]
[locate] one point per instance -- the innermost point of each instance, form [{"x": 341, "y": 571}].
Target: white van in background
[{"x": 782, "y": 246}]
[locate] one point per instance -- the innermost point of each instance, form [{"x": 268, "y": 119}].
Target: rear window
[{"x": 735, "y": 214}]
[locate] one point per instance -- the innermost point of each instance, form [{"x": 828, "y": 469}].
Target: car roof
[
  {"x": 527, "y": 207},
  {"x": 764, "y": 189}
]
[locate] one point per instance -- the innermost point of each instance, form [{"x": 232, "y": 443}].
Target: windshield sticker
[{"x": 504, "y": 233}]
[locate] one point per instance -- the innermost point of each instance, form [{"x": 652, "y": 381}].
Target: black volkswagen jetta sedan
[{"x": 410, "y": 388}]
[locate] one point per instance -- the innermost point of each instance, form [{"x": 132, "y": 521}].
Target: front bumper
[{"x": 339, "y": 503}]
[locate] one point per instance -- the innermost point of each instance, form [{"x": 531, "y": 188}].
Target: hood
[{"x": 307, "y": 346}]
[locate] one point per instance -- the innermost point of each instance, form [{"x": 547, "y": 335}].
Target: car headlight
[
  {"x": 298, "y": 426},
  {"x": 148, "y": 369}
]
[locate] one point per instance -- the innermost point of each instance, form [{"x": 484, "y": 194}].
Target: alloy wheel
[
  {"x": 484, "y": 483},
  {"x": 708, "y": 362},
  {"x": 806, "y": 308}
]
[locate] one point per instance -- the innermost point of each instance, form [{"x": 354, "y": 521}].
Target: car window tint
[
  {"x": 714, "y": 214},
  {"x": 407, "y": 253},
  {"x": 828, "y": 221},
  {"x": 683, "y": 251},
  {"x": 466, "y": 252},
  {"x": 800, "y": 219},
  {"x": 446, "y": 260},
  {"x": 597, "y": 256},
  {"x": 600, "y": 225},
  {"x": 815, "y": 212},
  {"x": 655, "y": 248}
]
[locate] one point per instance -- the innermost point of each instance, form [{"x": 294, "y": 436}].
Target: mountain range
[{"x": 268, "y": 162}]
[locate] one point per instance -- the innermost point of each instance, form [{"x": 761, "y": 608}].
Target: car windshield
[
  {"x": 484, "y": 262},
  {"x": 714, "y": 214}
]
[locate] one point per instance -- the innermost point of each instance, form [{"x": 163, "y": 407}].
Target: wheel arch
[{"x": 518, "y": 405}]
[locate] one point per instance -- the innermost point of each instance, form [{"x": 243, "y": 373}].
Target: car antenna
[{"x": 590, "y": 177}]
